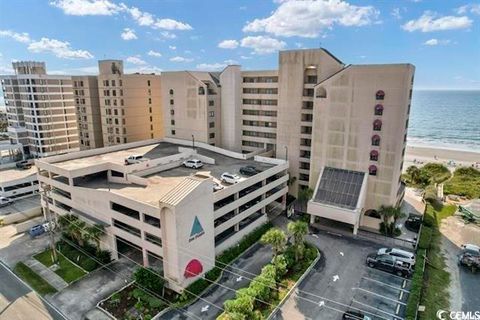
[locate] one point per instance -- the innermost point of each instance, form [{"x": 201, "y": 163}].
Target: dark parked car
[
  {"x": 36, "y": 231},
  {"x": 413, "y": 223},
  {"x": 25, "y": 164},
  {"x": 355, "y": 315},
  {"x": 389, "y": 263},
  {"x": 248, "y": 171}
]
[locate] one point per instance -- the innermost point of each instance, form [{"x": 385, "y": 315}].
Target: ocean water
[{"x": 445, "y": 119}]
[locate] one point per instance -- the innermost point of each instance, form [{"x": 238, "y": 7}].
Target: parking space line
[
  {"x": 387, "y": 285},
  {"x": 398, "y": 309},
  {"x": 379, "y": 310},
  {"x": 404, "y": 284},
  {"x": 379, "y": 295}
]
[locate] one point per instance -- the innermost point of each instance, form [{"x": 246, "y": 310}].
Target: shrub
[
  {"x": 465, "y": 182},
  {"x": 425, "y": 238},
  {"x": 416, "y": 286},
  {"x": 149, "y": 279}
]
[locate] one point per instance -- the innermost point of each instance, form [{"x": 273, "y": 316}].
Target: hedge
[
  {"x": 425, "y": 238},
  {"x": 416, "y": 286},
  {"x": 225, "y": 258}
]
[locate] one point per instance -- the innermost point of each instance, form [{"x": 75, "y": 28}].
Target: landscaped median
[
  {"x": 430, "y": 281},
  {"x": 41, "y": 286},
  {"x": 67, "y": 270},
  {"x": 267, "y": 290}
]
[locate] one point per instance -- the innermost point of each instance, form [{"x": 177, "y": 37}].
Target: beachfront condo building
[
  {"x": 115, "y": 108},
  {"x": 159, "y": 212},
  {"x": 333, "y": 122},
  {"x": 40, "y": 110}
]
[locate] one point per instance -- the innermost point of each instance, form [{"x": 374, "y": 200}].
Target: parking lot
[{"x": 342, "y": 281}]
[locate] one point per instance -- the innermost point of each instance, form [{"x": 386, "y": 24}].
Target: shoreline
[{"x": 452, "y": 158}]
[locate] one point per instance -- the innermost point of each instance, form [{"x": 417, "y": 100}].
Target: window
[
  {"x": 374, "y": 155},
  {"x": 113, "y": 83},
  {"x": 120, "y": 82},
  {"x": 211, "y": 125},
  {"x": 211, "y": 135},
  {"x": 149, "y": 100},
  {"x": 211, "y": 103},
  {"x": 171, "y": 102},
  {"x": 171, "y": 91},
  {"x": 380, "y": 95},
  {"x": 127, "y": 228},
  {"x": 151, "y": 127},
  {"x": 150, "y": 110},
  {"x": 372, "y": 170},
  {"x": 172, "y": 122},
  {"x": 211, "y": 114},
  {"x": 153, "y": 239},
  {"x": 201, "y": 91},
  {"x": 172, "y": 112},
  {"x": 173, "y": 132},
  {"x": 148, "y": 83},
  {"x": 151, "y": 220},
  {"x": 375, "y": 140},
  {"x": 377, "y": 125},
  {"x": 378, "y": 110},
  {"x": 151, "y": 118}
]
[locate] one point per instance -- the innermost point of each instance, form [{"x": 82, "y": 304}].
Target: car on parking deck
[
  {"x": 229, "y": 178},
  {"x": 133, "y": 159},
  {"x": 193, "y": 163},
  {"x": 5, "y": 201},
  {"x": 355, "y": 315},
  {"x": 25, "y": 164},
  {"x": 217, "y": 187},
  {"x": 389, "y": 263},
  {"x": 248, "y": 171},
  {"x": 399, "y": 254}
]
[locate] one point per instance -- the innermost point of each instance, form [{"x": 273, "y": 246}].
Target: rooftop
[
  {"x": 21, "y": 205},
  {"x": 16, "y": 174},
  {"x": 339, "y": 187}
]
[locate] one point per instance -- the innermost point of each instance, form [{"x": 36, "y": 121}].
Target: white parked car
[
  {"x": 399, "y": 254},
  {"x": 230, "y": 178},
  {"x": 471, "y": 249},
  {"x": 193, "y": 163},
  {"x": 48, "y": 227},
  {"x": 134, "y": 159},
  {"x": 5, "y": 201},
  {"x": 217, "y": 187}
]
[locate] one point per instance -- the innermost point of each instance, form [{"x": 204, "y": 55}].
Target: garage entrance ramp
[{"x": 339, "y": 195}]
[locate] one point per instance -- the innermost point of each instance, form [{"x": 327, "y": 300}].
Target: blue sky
[{"x": 441, "y": 38}]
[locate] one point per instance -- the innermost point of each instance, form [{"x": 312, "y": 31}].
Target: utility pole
[
  {"x": 193, "y": 142},
  {"x": 48, "y": 217},
  {"x": 286, "y": 152}
]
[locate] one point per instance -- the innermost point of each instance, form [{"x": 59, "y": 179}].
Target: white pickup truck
[{"x": 134, "y": 159}]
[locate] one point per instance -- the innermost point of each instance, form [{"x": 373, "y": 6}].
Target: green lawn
[
  {"x": 68, "y": 271},
  {"x": 34, "y": 280},
  {"x": 435, "y": 293}
]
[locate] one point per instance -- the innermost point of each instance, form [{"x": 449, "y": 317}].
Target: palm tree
[
  {"x": 298, "y": 230},
  {"x": 388, "y": 214},
  {"x": 276, "y": 238},
  {"x": 304, "y": 195},
  {"x": 76, "y": 230},
  {"x": 95, "y": 232}
]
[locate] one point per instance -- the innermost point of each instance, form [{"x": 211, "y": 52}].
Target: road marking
[
  {"x": 380, "y": 310},
  {"x": 239, "y": 279},
  {"x": 205, "y": 308},
  {"x": 321, "y": 303},
  {"x": 341, "y": 253},
  {"x": 314, "y": 235},
  {"x": 335, "y": 277},
  {"x": 401, "y": 296},
  {"x": 335, "y": 234},
  {"x": 379, "y": 295},
  {"x": 387, "y": 285},
  {"x": 398, "y": 309},
  {"x": 404, "y": 284}
]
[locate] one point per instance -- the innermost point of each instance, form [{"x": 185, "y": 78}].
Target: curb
[{"x": 304, "y": 275}]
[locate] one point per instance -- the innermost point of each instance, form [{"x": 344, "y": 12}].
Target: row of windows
[
  {"x": 267, "y": 124},
  {"x": 260, "y": 90},
  {"x": 106, "y": 83},
  {"x": 260, "y": 79},
  {"x": 267, "y": 113},
  {"x": 252, "y": 144},
  {"x": 268, "y": 135},
  {"x": 260, "y": 102}
]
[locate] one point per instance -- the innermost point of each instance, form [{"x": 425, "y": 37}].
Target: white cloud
[
  {"x": 61, "y": 49},
  {"x": 436, "y": 42},
  {"x": 168, "y": 35},
  {"x": 108, "y": 8},
  {"x": 180, "y": 59},
  {"x": 128, "y": 34},
  {"x": 430, "y": 21},
  {"x": 143, "y": 69},
  {"x": 262, "y": 44},
  {"x": 211, "y": 66},
  {"x": 245, "y": 57},
  {"x": 154, "y": 54},
  {"x": 310, "y": 18},
  {"x": 172, "y": 47},
  {"x": 472, "y": 8},
  {"x": 87, "y": 7},
  {"x": 135, "y": 60},
  {"x": 396, "y": 13},
  {"x": 20, "y": 37},
  {"x": 231, "y": 61},
  {"x": 228, "y": 44}
]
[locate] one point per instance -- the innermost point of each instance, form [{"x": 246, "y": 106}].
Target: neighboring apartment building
[
  {"x": 115, "y": 108},
  {"x": 40, "y": 110},
  {"x": 316, "y": 112},
  {"x": 161, "y": 212}
]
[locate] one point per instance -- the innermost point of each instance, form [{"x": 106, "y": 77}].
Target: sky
[{"x": 440, "y": 37}]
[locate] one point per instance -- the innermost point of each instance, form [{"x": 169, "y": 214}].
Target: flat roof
[
  {"x": 160, "y": 183},
  {"x": 339, "y": 187},
  {"x": 16, "y": 174},
  {"x": 21, "y": 205}
]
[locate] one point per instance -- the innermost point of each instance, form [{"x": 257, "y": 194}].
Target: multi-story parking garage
[{"x": 168, "y": 214}]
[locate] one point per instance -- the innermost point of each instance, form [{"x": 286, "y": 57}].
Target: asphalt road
[
  {"x": 18, "y": 301},
  {"x": 251, "y": 261}
]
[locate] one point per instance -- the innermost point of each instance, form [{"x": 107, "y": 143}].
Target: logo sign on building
[{"x": 197, "y": 230}]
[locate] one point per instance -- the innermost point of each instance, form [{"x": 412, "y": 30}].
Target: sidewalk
[{"x": 48, "y": 275}]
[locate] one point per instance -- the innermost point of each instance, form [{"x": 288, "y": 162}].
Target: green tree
[
  {"x": 239, "y": 308},
  {"x": 298, "y": 230},
  {"x": 94, "y": 233},
  {"x": 148, "y": 278},
  {"x": 389, "y": 215},
  {"x": 275, "y": 238},
  {"x": 414, "y": 174},
  {"x": 280, "y": 264}
]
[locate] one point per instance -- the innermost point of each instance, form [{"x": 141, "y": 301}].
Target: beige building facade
[{"x": 40, "y": 110}]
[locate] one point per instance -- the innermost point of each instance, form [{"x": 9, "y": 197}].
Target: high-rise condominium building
[
  {"x": 329, "y": 119},
  {"x": 40, "y": 110},
  {"x": 115, "y": 108}
]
